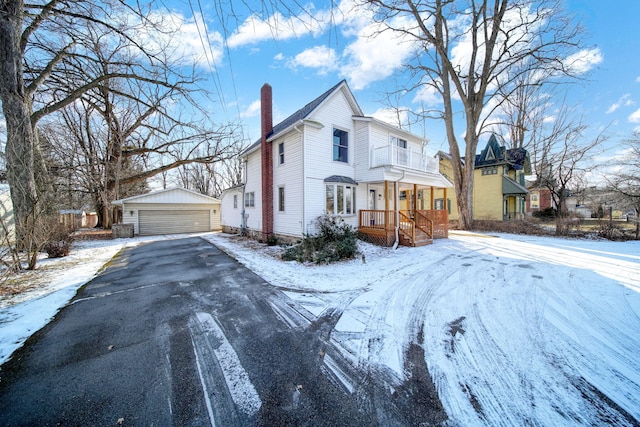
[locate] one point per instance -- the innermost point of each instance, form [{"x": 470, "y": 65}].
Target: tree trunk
[{"x": 16, "y": 105}]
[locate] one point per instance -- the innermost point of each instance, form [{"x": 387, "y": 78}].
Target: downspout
[
  {"x": 243, "y": 221},
  {"x": 397, "y": 213},
  {"x": 304, "y": 180}
]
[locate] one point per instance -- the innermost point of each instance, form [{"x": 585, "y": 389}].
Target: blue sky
[{"x": 302, "y": 59}]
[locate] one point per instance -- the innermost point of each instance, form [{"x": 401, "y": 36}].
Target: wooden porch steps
[{"x": 421, "y": 240}]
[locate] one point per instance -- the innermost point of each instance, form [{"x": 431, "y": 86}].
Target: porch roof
[
  {"x": 424, "y": 179},
  {"x": 509, "y": 186}
]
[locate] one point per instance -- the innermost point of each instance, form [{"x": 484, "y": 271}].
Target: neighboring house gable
[{"x": 499, "y": 191}]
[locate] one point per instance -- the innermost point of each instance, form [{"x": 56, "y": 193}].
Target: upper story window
[
  {"x": 398, "y": 142},
  {"x": 340, "y": 145},
  {"x": 490, "y": 171},
  {"x": 281, "y": 153},
  {"x": 400, "y": 154}
]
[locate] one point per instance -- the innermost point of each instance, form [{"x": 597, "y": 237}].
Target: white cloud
[
  {"x": 180, "y": 38},
  {"x": 428, "y": 95},
  {"x": 276, "y": 27},
  {"x": 399, "y": 117},
  {"x": 252, "y": 111},
  {"x": 321, "y": 57},
  {"x": 375, "y": 54},
  {"x": 638, "y": 79},
  {"x": 634, "y": 117},
  {"x": 624, "y": 101},
  {"x": 583, "y": 61}
]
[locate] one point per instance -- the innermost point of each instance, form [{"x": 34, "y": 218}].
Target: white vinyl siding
[
  {"x": 231, "y": 215},
  {"x": 318, "y": 152},
  {"x": 253, "y": 177},
  {"x": 289, "y": 177}
]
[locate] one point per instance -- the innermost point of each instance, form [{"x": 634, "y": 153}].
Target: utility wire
[{"x": 206, "y": 45}]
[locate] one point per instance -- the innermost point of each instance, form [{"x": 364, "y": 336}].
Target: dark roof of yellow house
[{"x": 494, "y": 154}]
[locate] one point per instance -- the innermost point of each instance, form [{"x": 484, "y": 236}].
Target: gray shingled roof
[
  {"x": 301, "y": 114},
  {"x": 341, "y": 179}
]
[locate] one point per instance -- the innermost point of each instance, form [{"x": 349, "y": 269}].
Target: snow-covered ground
[{"x": 516, "y": 330}]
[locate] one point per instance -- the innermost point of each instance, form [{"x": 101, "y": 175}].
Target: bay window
[{"x": 340, "y": 199}]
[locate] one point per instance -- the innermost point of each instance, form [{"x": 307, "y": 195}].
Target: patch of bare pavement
[{"x": 176, "y": 332}]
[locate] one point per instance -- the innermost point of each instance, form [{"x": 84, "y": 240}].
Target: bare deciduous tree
[
  {"x": 211, "y": 178},
  {"x": 625, "y": 180},
  {"x": 559, "y": 155},
  {"x": 49, "y": 60},
  {"x": 474, "y": 53}
]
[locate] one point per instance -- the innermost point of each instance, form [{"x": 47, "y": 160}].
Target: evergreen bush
[{"x": 335, "y": 240}]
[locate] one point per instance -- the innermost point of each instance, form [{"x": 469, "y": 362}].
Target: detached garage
[{"x": 171, "y": 211}]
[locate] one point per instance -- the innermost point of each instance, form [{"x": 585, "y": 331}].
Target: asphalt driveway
[{"x": 176, "y": 332}]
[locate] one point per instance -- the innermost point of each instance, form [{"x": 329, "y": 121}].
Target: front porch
[
  {"x": 408, "y": 215},
  {"x": 417, "y": 228}
]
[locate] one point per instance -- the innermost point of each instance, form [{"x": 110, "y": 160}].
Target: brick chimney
[{"x": 266, "y": 119}]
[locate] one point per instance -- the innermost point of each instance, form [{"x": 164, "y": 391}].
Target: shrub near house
[{"x": 334, "y": 241}]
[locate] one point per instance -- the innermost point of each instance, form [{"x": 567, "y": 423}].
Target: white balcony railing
[{"x": 392, "y": 155}]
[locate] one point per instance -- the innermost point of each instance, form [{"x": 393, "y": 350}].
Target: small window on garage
[{"x": 235, "y": 201}]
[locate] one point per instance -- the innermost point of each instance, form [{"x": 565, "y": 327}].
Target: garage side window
[
  {"x": 250, "y": 199},
  {"x": 235, "y": 201}
]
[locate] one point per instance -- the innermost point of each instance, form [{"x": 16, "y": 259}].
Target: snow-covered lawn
[{"x": 515, "y": 329}]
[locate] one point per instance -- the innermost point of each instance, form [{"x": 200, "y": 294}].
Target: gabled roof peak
[{"x": 305, "y": 111}]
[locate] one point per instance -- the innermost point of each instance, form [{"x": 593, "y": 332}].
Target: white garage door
[{"x": 172, "y": 222}]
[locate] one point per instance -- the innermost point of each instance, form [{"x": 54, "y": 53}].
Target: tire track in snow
[
  {"x": 229, "y": 394},
  {"x": 583, "y": 322},
  {"x": 494, "y": 409},
  {"x": 398, "y": 299},
  {"x": 611, "y": 353}
]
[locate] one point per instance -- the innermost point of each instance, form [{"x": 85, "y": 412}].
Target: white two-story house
[{"x": 328, "y": 158}]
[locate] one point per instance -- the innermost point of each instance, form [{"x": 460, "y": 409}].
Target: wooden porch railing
[
  {"x": 424, "y": 223},
  {"x": 377, "y": 219},
  {"x": 407, "y": 226},
  {"x": 381, "y": 224}
]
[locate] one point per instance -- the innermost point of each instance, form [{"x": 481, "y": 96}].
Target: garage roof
[{"x": 170, "y": 195}]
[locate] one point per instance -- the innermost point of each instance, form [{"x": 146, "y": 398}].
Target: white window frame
[
  {"x": 343, "y": 199},
  {"x": 281, "y": 153},
  {"x": 250, "y": 199},
  {"x": 345, "y": 147},
  {"x": 235, "y": 201},
  {"x": 398, "y": 142},
  {"x": 281, "y": 199}
]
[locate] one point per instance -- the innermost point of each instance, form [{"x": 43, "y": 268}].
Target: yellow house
[{"x": 499, "y": 191}]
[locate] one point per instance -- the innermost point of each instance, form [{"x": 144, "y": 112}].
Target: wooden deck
[{"x": 415, "y": 228}]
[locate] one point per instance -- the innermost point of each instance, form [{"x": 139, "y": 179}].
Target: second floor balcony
[{"x": 405, "y": 158}]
